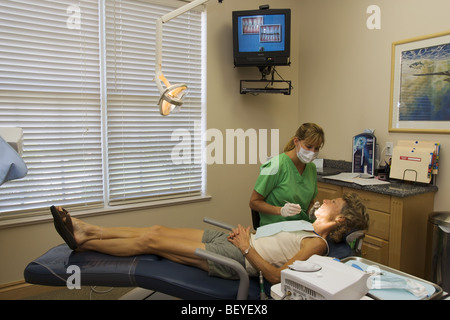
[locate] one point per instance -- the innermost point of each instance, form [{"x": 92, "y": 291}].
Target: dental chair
[{"x": 152, "y": 272}]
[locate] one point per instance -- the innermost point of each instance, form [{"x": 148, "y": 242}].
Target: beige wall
[
  {"x": 339, "y": 68},
  {"x": 345, "y": 69}
]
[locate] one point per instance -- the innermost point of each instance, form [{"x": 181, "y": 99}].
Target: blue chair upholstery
[{"x": 145, "y": 271}]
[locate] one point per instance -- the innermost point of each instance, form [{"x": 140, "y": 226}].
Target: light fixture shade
[{"x": 171, "y": 99}]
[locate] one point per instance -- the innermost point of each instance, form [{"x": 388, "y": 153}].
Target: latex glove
[
  {"x": 312, "y": 211},
  {"x": 290, "y": 209}
]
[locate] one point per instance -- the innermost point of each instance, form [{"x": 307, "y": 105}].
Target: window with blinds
[{"x": 77, "y": 77}]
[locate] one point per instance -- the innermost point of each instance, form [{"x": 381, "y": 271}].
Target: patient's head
[{"x": 354, "y": 214}]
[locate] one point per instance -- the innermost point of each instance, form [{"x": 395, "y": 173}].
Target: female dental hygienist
[{"x": 287, "y": 184}]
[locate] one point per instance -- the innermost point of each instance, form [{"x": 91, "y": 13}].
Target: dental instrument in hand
[
  {"x": 312, "y": 211},
  {"x": 290, "y": 209}
]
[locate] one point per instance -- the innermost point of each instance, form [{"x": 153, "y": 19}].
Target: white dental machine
[{"x": 322, "y": 278}]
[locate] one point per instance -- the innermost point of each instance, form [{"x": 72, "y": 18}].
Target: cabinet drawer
[
  {"x": 376, "y": 201},
  {"x": 378, "y": 224},
  {"x": 328, "y": 191},
  {"x": 375, "y": 250}
]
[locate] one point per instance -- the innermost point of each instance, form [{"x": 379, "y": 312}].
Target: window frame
[{"x": 38, "y": 215}]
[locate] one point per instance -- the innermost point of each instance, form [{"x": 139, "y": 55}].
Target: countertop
[{"x": 396, "y": 188}]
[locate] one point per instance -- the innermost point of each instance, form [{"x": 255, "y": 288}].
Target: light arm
[{"x": 172, "y": 95}]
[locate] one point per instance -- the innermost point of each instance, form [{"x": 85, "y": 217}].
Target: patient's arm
[{"x": 309, "y": 246}]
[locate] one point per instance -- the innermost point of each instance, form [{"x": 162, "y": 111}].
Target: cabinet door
[
  {"x": 378, "y": 224},
  {"x": 375, "y": 249},
  {"x": 328, "y": 191}
]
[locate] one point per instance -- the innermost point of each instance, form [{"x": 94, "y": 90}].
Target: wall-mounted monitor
[{"x": 262, "y": 37}]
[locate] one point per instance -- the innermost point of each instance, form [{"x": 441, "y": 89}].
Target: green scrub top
[{"x": 279, "y": 181}]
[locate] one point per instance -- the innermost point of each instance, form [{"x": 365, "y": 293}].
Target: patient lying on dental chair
[{"x": 269, "y": 253}]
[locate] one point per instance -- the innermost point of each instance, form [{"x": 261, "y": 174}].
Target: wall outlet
[{"x": 389, "y": 148}]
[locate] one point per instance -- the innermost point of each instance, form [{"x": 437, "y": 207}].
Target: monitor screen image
[
  {"x": 261, "y": 37},
  {"x": 261, "y": 33}
]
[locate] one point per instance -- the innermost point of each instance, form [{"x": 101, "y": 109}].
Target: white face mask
[{"x": 306, "y": 156}]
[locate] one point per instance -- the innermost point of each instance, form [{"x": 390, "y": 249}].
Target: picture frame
[{"x": 420, "y": 84}]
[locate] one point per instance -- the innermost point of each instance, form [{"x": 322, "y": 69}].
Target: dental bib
[{"x": 286, "y": 226}]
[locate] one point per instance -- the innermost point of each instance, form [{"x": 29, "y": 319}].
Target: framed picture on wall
[{"x": 420, "y": 84}]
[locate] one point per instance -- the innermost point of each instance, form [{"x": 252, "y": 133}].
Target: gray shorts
[{"x": 216, "y": 241}]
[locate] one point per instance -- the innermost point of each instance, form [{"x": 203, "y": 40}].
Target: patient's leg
[
  {"x": 84, "y": 232},
  {"x": 177, "y": 245}
]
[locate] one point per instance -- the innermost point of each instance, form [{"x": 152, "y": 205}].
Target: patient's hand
[{"x": 240, "y": 237}]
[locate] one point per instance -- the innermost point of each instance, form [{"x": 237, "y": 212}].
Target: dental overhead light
[{"x": 172, "y": 95}]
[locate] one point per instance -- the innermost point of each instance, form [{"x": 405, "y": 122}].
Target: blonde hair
[
  {"x": 356, "y": 217},
  {"x": 310, "y": 132}
]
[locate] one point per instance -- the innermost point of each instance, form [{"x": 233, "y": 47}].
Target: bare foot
[{"x": 83, "y": 231}]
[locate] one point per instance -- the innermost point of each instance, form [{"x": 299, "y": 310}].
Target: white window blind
[
  {"x": 139, "y": 139},
  {"x": 84, "y": 95},
  {"x": 50, "y": 87}
]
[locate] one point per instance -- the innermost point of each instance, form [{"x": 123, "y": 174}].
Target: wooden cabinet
[
  {"x": 375, "y": 249},
  {"x": 397, "y": 227},
  {"x": 328, "y": 191}
]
